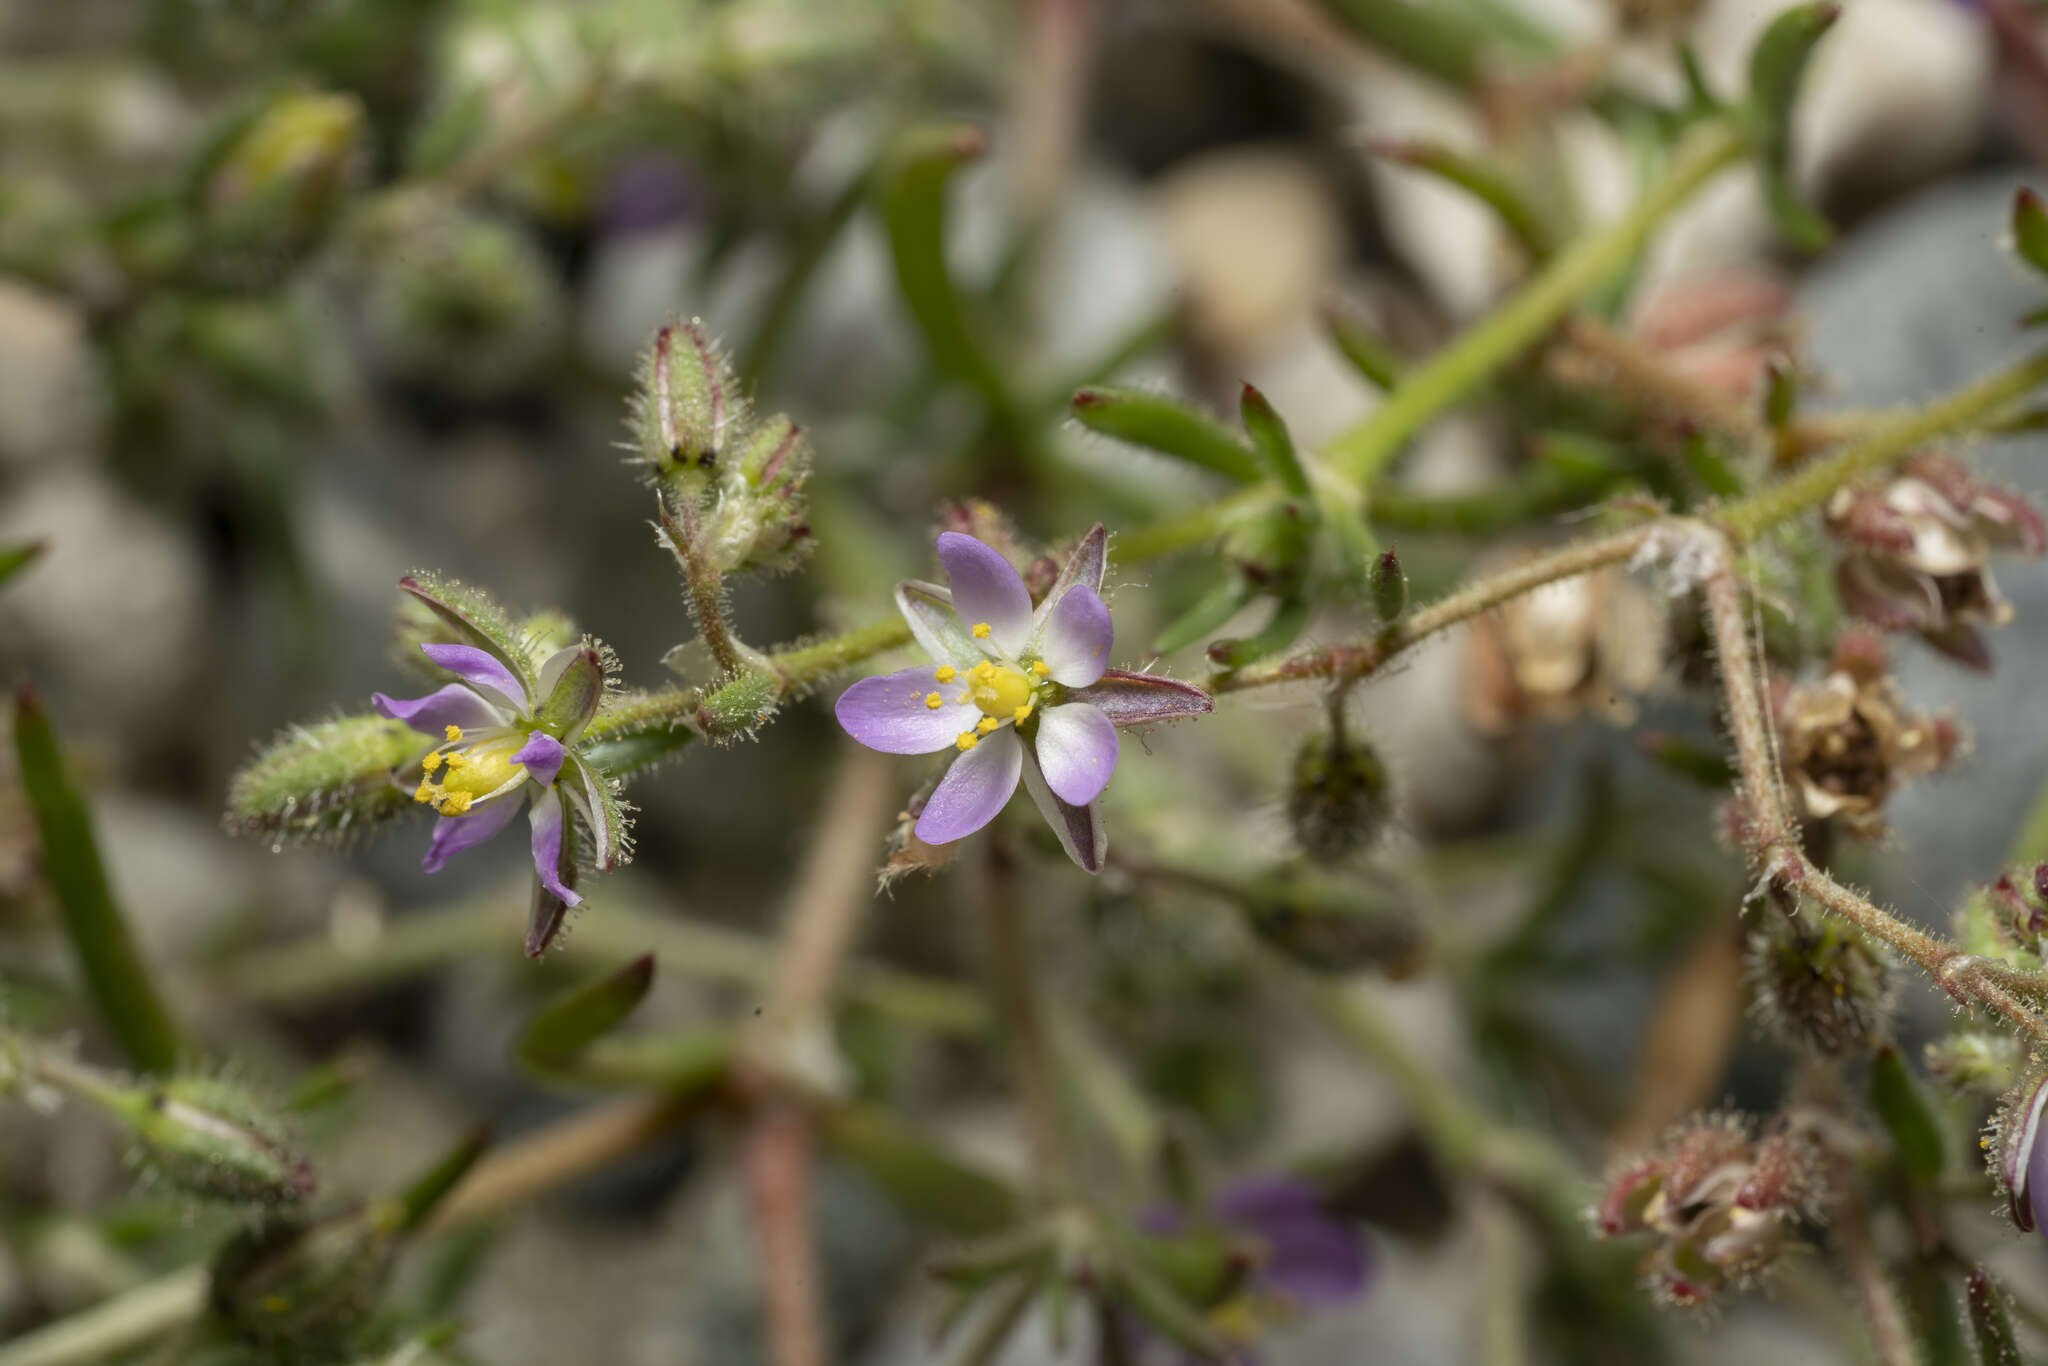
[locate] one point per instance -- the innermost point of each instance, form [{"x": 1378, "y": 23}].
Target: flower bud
[
  {"x": 688, "y": 407},
  {"x": 271, "y": 187},
  {"x": 1338, "y": 799},
  {"x": 212, "y": 1139},
  {"x": 326, "y": 781},
  {"x": 306, "y": 1287},
  {"x": 2017, "y": 1159},
  {"x": 1819, "y": 986},
  {"x": 740, "y": 707},
  {"x": 1631, "y": 1186},
  {"x": 1389, "y": 587}
]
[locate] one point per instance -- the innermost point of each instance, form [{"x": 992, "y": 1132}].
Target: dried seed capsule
[
  {"x": 1338, "y": 799},
  {"x": 1820, "y": 987}
]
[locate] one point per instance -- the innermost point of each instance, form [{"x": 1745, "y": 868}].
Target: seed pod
[
  {"x": 1389, "y": 587},
  {"x": 739, "y": 707},
  {"x": 212, "y": 1139},
  {"x": 1338, "y": 798},
  {"x": 325, "y": 781},
  {"x": 1819, "y": 987}
]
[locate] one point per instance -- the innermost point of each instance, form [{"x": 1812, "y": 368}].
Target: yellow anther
[
  {"x": 987, "y": 725},
  {"x": 433, "y": 760},
  {"x": 1984, "y": 1143},
  {"x": 981, "y": 630},
  {"x": 968, "y": 740},
  {"x": 425, "y": 793},
  {"x": 455, "y": 803},
  {"x": 453, "y": 733},
  {"x": 1040, "y": 667},
  {"x": 983, "y": 670},
  {"x": 457, "y": 759},
  {"x": 1021, "y": 712},
  {"x": 934, "y": 701},
  {"x": 947, "y": 673}
]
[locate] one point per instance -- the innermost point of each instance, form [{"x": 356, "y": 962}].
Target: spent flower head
[{"x": 1016, "y": 691}]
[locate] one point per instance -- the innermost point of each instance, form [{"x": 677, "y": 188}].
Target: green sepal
[
  {"x": 1290, "y": 615},
  {"x": 1990, "y": 1325},
  {"x": 108, "y": 959},
  {"x": 1777, "y": 66},
  {"x": 578, "y": 678},
  {"x": 556, "y": 1037},
  {"x": 326, "y": 781},
  {"x": 474, "y": 618},
  {"x": 1902, "y": 1108},
  {"x": 1168, "y": 426},
  {"x": 1209, "y": 612}
]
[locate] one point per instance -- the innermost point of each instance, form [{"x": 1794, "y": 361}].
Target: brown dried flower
[
  {"x": 1588, "y": 644},
  {"x": 1919, "y": 548},
  {"x": 1849, "y": 740}
]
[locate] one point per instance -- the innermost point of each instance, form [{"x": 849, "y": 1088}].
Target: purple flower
[
  {"x": 1297, "y": 1256},
  {"x": 507, "y": 734},
  {"x": 1018, "y": 691}
]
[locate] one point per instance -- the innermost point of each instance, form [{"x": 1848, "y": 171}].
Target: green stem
[
  {"x": 1966, "y": 408},
  {"x": 1363, "y": 453},
  {"x": 111, "y": 1327}
]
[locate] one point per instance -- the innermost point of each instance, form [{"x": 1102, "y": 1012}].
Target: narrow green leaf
[
  {"x": 1287, "y": 621},
  {"x": 1902, "y": 1108},
  {"x": 1430, "y": 38},
  {"x": 556, "y": 1037},
  {"x": 1484, "y": 182},
  {"x": 15, "y": 558},
  {"x": 1777, "y": 66},
  {"x": 1989, "y": 1324},
  {"x": 1209, "y": 612},
  {"x": 912, "y": 198},
  {"x": 409, "y": 1210},
  {"x": 928, "y": 1184},
  {"x": 1781, "y": 391},
  {"x": 2030, "y": 229},
  {"x": 107, "y": 956},
  {"x": 1273, "y": 442},
  {"x": 1372, "y": 355},
  {"x": 1169, "y": 427}
]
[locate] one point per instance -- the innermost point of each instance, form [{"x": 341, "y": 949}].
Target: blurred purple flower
[{"x": 1019, "y": 692}]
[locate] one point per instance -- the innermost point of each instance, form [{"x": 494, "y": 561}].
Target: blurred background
[{"x": 298, "y": 296}]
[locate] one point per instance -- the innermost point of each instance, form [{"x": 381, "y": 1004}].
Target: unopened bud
[
  {"x": 1389, "y": 587},
  {"x": 687, "y": 408},
  {"x": 1338, "y": 799},
  {"x": 740, "y": 707},
  {"x": 326, "y": 781},
  {"x": 212, "y": 1139},
  {"x": 1820, "y": 987}
]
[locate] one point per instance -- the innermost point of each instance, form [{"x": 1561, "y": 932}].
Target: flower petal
[
  {"x": 974, "y": 789},
  {"x": 452, "y": 705},
  {"x": 1079, "y": 827},
  {"x": 480, "y": 669},
  {"x": 986, "y": 587},
  {"x": 929, "y": 610},
  {"x": 892, "y": 712},
  {"x": 1078, "y": 634},
  {"x": 1316, "y": 1258},
  {"x": 548, "y": 819},
  {"x": 1083, "y": 567},
  {"x": 1076, "y": 747},
  {"x": 541, "y": 757},
  {"x": 1135, "y": 699},
  {"x": 453, "y": 834}
]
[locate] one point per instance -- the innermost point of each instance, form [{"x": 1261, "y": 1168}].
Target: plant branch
[
  {"x": 1024, "y": 1024},
  {"x": 776, "y": 1160},
  {"x": 706, "y": 588},
  {"x": 1882, "y": 1312}
]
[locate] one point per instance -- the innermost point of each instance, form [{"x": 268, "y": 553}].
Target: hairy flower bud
[
  {"x": 738, "y": 708},
  {"x": 688, "y": 408},
  {"x": 1389, "y": 586},
  {"x": 326, "y": 781},
  {"x": 1818, "y": 986},
  {"x": 1338, "y": 798},
  {"x": 210, "y": 1138}
]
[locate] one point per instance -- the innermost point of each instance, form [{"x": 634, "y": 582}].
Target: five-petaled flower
[
  {"x": 508, "y": 732},
  {"x": 1016, "y": 691}
]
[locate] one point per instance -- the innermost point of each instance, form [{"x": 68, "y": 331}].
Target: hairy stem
[{"x": 706, "y": 588}]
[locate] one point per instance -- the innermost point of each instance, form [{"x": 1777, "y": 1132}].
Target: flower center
[
  {"x": 1000, "y": 689},
  {"x": 456, "y": 778}
]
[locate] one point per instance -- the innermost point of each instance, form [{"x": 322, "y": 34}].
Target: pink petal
[
  {"x": 453, "y": 834},
  {"x": 986, "y": 587},
  {"x": 541, "y": 756},
  {"x": 891, "y": 712},
  {"x": 928, "y": 609},
  {"x": 1134, "y": 699},
  {"x": 452, "y": 705},
  {"x": 1078, "y": 634},
  {"x": 480, "y": 669},
  {"x": 547, "y": 818},
  {"x": 974, "y": 789},
  {"x": 1076, "y": 747},
  {"x": 1079, "y": 828}
]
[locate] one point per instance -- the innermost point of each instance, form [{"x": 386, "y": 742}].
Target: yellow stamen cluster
[
  {"x": 987, "y": 725},
  {"x": 981, "y": 630},
  {"x": 968, "y": 740},
  {"x": 454, "y": 733},
  {"x": 465, "y": 776},
  {"x": 1040, "y": 668},
  {"x": 1021, "y": 712},
  {"x": 947, "y": 673},
  {"x": 432, "y": 761},
  {"x": 934, "y": 701}
]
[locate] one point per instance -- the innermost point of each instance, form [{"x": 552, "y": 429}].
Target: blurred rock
[{"x": 49, "y": 405}]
